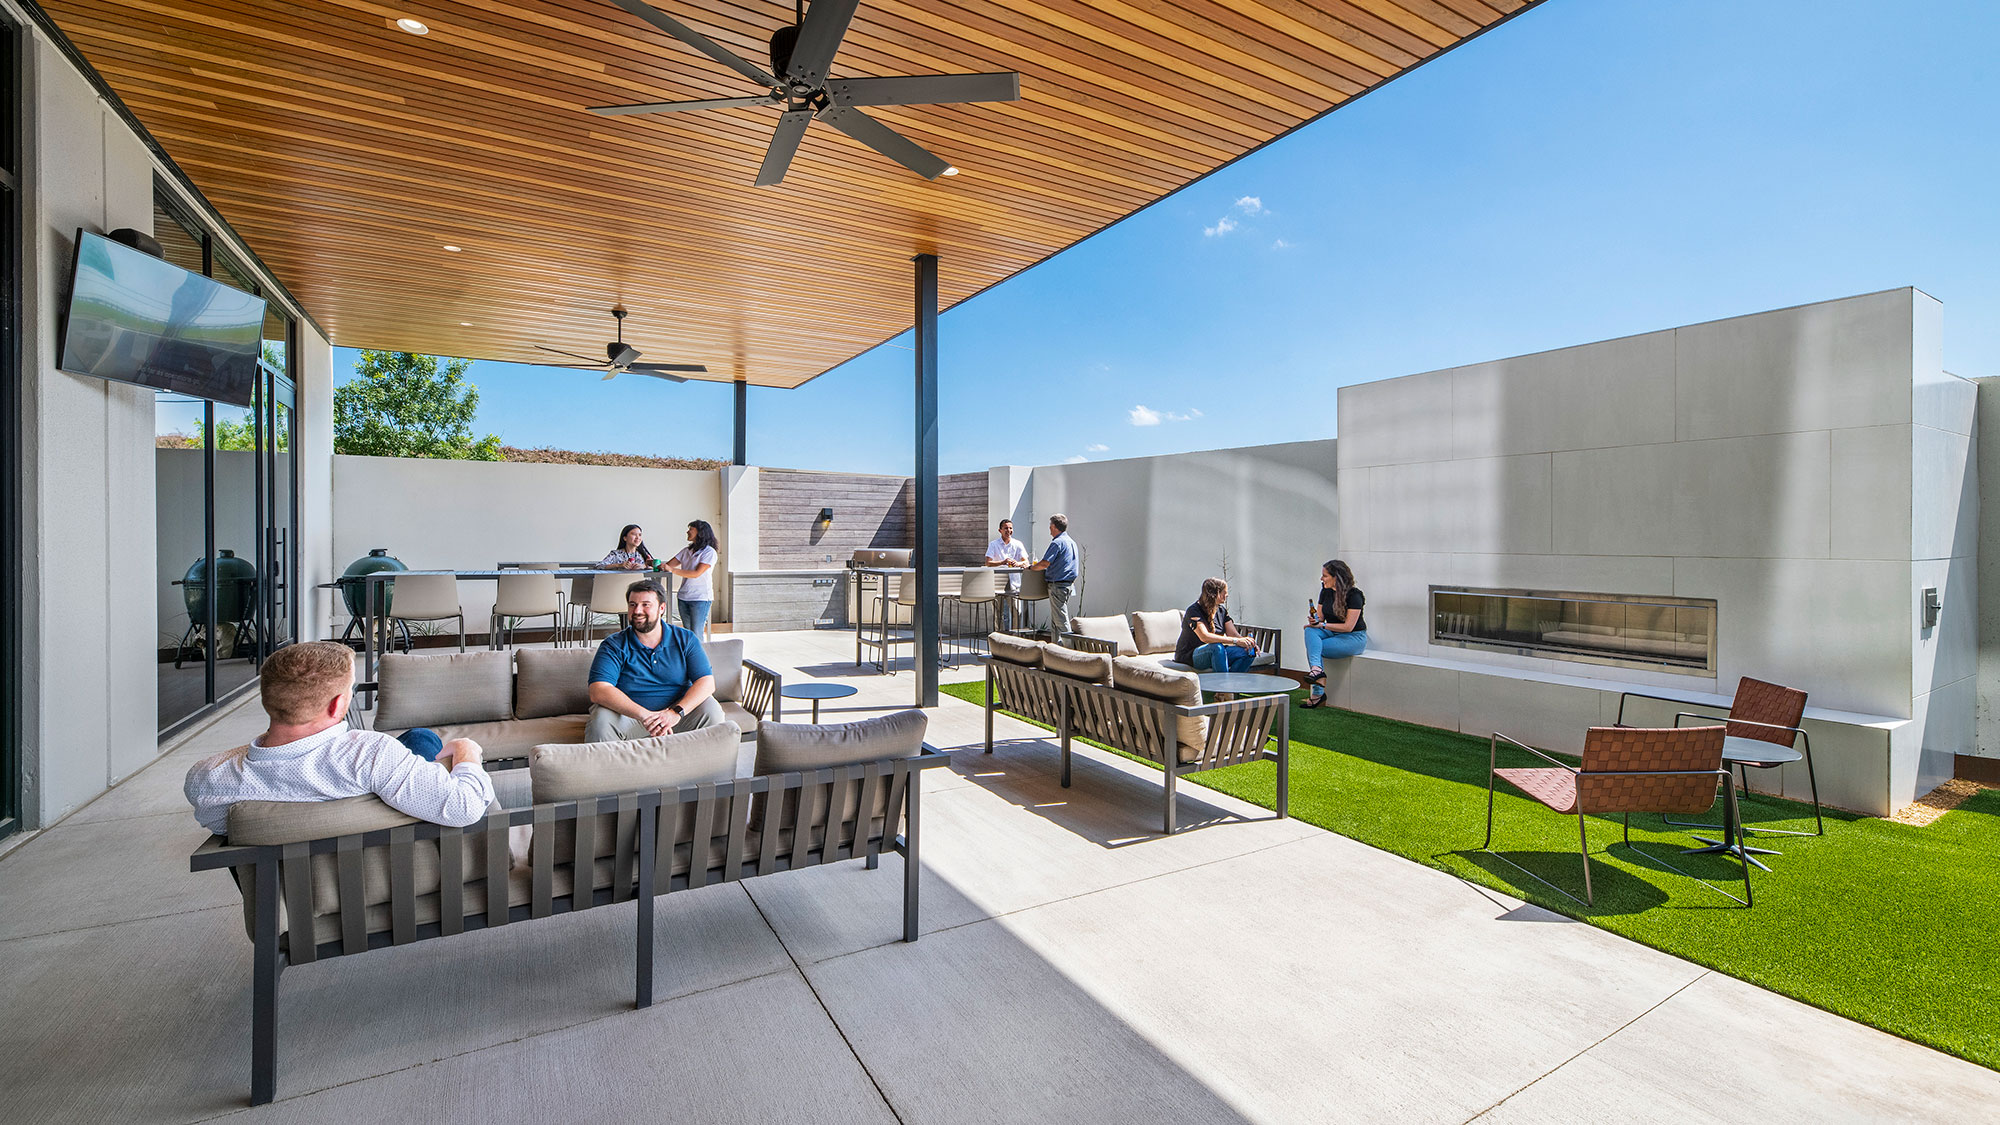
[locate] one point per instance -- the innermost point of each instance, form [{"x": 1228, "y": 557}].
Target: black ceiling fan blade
[
  {"x": 819, "y": 37},
  {"x": 884, "y": 140},
  {"x": 926, "y": 89},
  {"x": 558, "y": 351},
  {"x": 791, "y": 129},
  {"x": 698, "y": 41},
  {"x": 680, "y": 107},
  {"x": 695, "y": 368}
]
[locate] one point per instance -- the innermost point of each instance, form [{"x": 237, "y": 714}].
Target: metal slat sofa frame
[{"x": 833, "y": 818}]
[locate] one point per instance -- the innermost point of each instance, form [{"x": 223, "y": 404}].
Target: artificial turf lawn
[{"x": 1894, "y": 926}]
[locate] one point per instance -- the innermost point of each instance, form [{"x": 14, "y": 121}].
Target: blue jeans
[
  {"x": 1324, "y": 644},
  {"x": 694, "y": 617},
  {"x": 1221, "y": 658},
  {"x": 423, "y": 742}
]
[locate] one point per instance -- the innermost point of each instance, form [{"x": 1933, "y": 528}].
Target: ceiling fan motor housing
[
  {"x": 782, "y": 42},
  {"x": 621, "y": 354}
]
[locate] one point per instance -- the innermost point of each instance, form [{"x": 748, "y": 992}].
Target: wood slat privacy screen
[
  {"x": 349, "y": 153},
  {"x": 868, "y": 511}
]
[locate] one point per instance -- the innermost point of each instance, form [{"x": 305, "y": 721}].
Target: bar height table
[{"x": 886, "y": 642}]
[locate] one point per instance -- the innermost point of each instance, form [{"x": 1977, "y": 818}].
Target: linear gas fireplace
[{"x": 1633, "y": 631}]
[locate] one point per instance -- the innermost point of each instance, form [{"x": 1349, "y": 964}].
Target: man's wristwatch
[{"x": 676, "y": 709}]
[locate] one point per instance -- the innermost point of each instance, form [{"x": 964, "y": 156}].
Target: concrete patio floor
[{"x": 1075, "y": 966}]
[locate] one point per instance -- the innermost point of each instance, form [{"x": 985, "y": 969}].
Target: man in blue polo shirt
[
  {"x": 651, "y": 678},
  {"x": 1060, "y": 563}
]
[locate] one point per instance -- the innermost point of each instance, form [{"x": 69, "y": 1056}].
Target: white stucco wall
[
  {"x": 1153, "y": 527},
  {"x": 470, "y": 515},
  {"x": 1808, "y": 468},
  {"x": 90, "y": 687}
]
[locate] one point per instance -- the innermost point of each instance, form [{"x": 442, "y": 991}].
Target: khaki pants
[
  {"x": 606, "y": 725},
  {"x": 1059, "y": 593}
]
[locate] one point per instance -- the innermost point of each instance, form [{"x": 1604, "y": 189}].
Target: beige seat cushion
[
  {"x": 1015, "y": 650},
  {"x": 601, "y": 769},
  {"x": 513, "y": 738},
  {"x": 431, "y": 691},
  {"x": 725, "y": 659},
  {"x": 798, "y": 747},
  {"x": 745, "y": 720},
  {"x": 552, "y": 681},
  {"x": 1154, "y": 632},
  {"x": 286, "y": 822},
  {"x": 1143, "y": 677},
  {"x": 1090, "y": 667},
  {"x": 1107, "y": 629}
]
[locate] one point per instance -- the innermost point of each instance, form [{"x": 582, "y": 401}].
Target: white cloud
[
  {"x": 1075, "y": 459},
  {"x": 1147, "y": 416},
  {"x": 1222, "y": 226},
  {"x": 1250, "y": 205},
  {"x": 1281, "y": 244},
  {"x": 1097, "y": 448}
]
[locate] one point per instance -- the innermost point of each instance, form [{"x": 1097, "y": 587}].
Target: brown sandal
[{"x": 1312, "y": 702}]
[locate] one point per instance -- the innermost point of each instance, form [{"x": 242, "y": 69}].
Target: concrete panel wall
[
  {"x": 313, "y": 438},
  {"x": 470, "y": 515},
  {"x": 1810, "y": 469},
  {"x": 1151, "y": 528},
  {"x": 1987, "y": 569}
]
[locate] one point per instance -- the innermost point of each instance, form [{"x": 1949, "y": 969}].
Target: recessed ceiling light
[
  {"x": 951, "y": 171},
  {"x": 414, "y": 27},
  {"x": 450, "y": 247},
  {"x": 465, "y": 324}
]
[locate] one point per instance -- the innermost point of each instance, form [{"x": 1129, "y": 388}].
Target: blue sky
[{"x": 1592, "y": 169}]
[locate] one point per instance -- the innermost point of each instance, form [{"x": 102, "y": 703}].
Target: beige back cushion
[
  {"x": 725, "y": 659},
  {"x": 568, "y": 772},
  {"x": 799, "y": 747},
  {"x": 459, "y": 687},
  {"x": 1015, "y": 650},
  {"x": 286, "y": 822},
  {"x": 1091, "y": 667},
  {"x": 552, "y": 681},
  {"x": 1156, "y": 631},
  {"x": 1107, "y": 629},
  {"x": 1144, "y": 677}
]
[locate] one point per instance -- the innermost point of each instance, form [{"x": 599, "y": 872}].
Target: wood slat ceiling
[{"x": 347, "y": 153}]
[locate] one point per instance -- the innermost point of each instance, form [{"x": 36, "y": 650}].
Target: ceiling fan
[
  {"x": 619, "y": 357},
  {"x": 800, "y": 55}
]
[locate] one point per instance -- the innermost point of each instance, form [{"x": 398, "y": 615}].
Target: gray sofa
[
  {"x": 1137, "y": 706},
  {"x": 323, "y": 879},
  {"x": 1150, "y": 635},
  {"x": 509, "y": 702}
]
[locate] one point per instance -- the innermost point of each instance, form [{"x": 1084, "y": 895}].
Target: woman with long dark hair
[
  {"x": 1209, "y": 641},
  {"x": 1335, "y": 628},
  {"x": 695, "y": 567},
  {"x": 630, "y": 553}
]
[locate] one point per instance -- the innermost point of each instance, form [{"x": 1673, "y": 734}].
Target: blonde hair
[{"x": 299, "y": 680}]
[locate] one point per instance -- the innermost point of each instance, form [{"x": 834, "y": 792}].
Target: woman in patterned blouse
[{"x": 630, "y": 553}]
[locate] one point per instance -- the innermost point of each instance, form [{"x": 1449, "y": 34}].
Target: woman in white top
[
  {"x": 630, "y": 553},
  {"x": 695, "y": 567}
]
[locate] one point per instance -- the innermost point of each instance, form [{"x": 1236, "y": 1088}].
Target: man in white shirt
[
  {"x": 1008, "y": 551},
  {"x": 311, "y": 754}
]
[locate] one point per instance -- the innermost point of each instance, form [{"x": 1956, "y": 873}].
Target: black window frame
[{"x": 13, "y": 101}]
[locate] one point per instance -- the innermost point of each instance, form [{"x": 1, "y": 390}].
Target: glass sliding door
[{"x": 227, "y": 504}]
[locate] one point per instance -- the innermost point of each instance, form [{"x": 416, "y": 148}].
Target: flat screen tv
[{"x": 138, "y": 319}]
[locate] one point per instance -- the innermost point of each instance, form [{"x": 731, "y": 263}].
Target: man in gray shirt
[{"x": 1059, "y": 561}]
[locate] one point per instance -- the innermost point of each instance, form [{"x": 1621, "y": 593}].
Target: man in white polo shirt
[
  {"x": 311, "y": 754},
  {"x": 1008, "y": 551}
]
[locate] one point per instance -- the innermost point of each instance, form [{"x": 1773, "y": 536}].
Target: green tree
[{"x": 405, "y": 405}]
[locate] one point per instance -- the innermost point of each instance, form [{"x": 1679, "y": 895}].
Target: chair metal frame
[
  {"x": 1742, "y": 768},
  {"x": 1582, "y": 828}
]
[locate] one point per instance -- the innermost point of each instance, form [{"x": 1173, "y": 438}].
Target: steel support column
[
  {"x": 925, "y": 561},
  {"x": 742, "y": 423}
]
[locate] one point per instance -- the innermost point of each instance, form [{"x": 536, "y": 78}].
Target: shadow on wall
[{"x": 1155, "y": 527}]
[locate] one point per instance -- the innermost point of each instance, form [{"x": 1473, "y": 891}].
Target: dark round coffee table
[{"x": 817, "y": 692}]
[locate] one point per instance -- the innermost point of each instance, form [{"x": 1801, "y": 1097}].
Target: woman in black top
[
  {"x": 1334, "y": 626},
  {"x": 1209, "y": 641}
]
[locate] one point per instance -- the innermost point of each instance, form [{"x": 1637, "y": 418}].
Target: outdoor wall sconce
[{"x": 826, "y": 516}]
